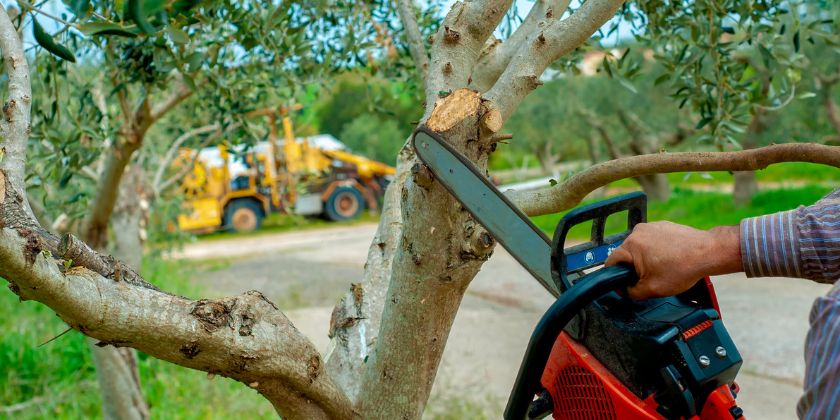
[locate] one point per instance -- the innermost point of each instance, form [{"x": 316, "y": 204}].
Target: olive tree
[{"x": 390, "y": 330}]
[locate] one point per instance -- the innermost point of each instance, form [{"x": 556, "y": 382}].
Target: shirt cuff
[{"x": 769, "y": 245}]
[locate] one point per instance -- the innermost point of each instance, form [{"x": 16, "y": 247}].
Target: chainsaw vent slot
[{"x": 580, "y": 395}]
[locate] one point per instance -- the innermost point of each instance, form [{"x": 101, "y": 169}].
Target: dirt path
[{"x": 306, "y": 272}]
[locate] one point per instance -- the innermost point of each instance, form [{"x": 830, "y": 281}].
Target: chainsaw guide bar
[{"x": 508, "y": 225}]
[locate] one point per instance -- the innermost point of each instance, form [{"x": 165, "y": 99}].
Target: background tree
[
  {"x": 390, "y": 330},
  {"x": 155, "y": 56}
]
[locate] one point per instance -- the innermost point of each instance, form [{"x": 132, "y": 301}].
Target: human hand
[{"x": 669, "y": 258}]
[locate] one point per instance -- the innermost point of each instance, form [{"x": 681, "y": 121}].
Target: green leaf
[
  {"x": 78, "y": 7},
  {"x": 190, "y": 82},
  {"x": 178, "y": 36},
  {"x": 194, "y": 61},
  {"x": 796, "y": 41},
  {"x": 65, "y": 179},
  {"x": 181, "y": 6},
  {"x": 48, "y": 43},
  {"x": 627, "y": 85},
  {"x": 106, "y": 28},
  {"x": 607, "y": 67},
  {"x": 137, "y": 13},
  {"x": 703, "y": 122},
  {"x": 661, "y": 79},
  {"x": 806, "y": 95}
]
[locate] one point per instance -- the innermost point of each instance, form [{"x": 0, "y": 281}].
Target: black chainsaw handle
[
  {"x": 564, "y": 261},
  {"x": 552, "y": 323}
]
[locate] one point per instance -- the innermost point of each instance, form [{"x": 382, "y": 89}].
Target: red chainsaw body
[{"x": 582, "y": 388}]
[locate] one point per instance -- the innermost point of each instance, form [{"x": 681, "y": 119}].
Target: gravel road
[{"x": 308, "y": 271}]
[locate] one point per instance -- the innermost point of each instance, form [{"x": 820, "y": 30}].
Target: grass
[
  {"x": 702, "y": 210},
  {"x": 57, "y": 379}
]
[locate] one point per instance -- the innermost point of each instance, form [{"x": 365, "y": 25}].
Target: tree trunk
[
  {"x": 831, "y": 109},
  {"x": 546, "y": 158},
  {"x": 439, "y": 251},
  {"x": 119, "y": 384},
  {"x": 355, "y": 321},
  {"x": 116, "y": 368},
  {"x": 656, "y": 186},
  {"x": 744, "y": 183},
  {"x": 592, "y": 148},
  {"x": 745, "y": 187}
]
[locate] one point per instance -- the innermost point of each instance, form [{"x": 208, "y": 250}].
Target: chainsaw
[{"x": 596, "y": 354}]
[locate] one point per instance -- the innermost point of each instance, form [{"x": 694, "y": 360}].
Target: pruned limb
[
  {"x": 571, "y": 192},
  {"x": 553, "y": 39},
  {"x": 414, "y": 38},
  {"x": 497, "y": 56},
  {"x": 243, "y": 337},
  {"x": 77, "y": 253}
]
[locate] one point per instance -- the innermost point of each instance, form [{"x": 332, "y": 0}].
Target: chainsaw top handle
[
  {"x": 569, "y": 264},
  {"x": 566, "y": 307}
]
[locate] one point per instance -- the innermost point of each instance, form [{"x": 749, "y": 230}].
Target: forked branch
[
  {"x": 496, "y": 58},
  {"x": 458, "y": 43},
  {"x": 571, "y": 192},
  {"x": 550, "y": 41}
]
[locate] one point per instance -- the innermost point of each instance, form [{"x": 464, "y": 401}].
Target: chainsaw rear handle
[
  {"x": 570, "y": 262},
  {"x": 552, "y": 323}
]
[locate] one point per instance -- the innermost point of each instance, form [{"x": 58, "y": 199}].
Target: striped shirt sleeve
[
  {"x": 821, "y": 387},
  {"x": 803, "y": 243}
]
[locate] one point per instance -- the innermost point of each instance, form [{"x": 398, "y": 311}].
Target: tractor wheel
[
  {"x": 243, "y": 216},
  {"x": 345, "y": 203}
]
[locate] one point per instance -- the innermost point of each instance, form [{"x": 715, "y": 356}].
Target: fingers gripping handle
[{"x": 569, "y": 263}]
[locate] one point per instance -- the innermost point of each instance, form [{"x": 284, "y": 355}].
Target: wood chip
[
  {"x": 254, "y": 384},
  {"x": 2, "y": 187}
]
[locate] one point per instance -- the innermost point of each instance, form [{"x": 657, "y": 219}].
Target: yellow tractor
[{"x": 236, "y": 187}]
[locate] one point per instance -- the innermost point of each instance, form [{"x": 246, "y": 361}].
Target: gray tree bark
[
  {"x": 744, "y": 188},
  {"x": 744, "y": 183},
  {"x": 656, "y": 186}
]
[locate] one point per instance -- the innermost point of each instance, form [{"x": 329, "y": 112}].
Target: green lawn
[{"x": 703, "y": 209}]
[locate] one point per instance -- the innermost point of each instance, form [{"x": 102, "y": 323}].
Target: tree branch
[
  {"x": 570, "y": 193},
  {"x": 170, "y": 154},
  {"x": 122, "y": 98},
  {"x": 414, "y": 39},
  {"x": 181, "y": 93},
  {"x": 494, "y": 60},
  {"x": 541, "y": 48},
  {"x": 831, "y": 111},
  {"x": 15, "y": 122},
  {"x": 245, "y": 337},
  {"x": 458, "y": 43}
]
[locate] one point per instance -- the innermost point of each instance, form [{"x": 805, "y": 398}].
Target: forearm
[
  {"x": 726, "y": 252},
  {"x": 803, "y": 243}
]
